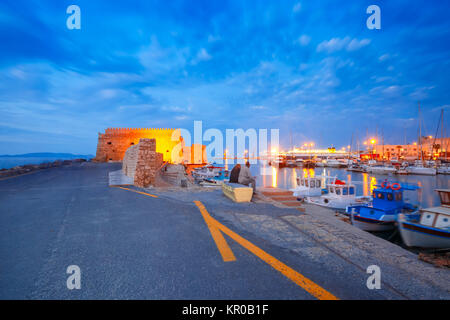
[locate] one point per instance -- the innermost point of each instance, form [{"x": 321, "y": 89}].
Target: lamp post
[{"x": 372, "y": 142}]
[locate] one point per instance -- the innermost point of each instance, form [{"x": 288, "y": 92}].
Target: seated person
[
  {"x": 234, "y": 175},
  {"x": 246, "y": 178}
]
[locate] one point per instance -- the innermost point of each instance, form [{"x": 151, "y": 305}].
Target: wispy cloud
[{"x": 337, "y": 44}]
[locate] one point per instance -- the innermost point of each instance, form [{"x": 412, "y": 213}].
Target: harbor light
[{"x": 373, "y": 141}]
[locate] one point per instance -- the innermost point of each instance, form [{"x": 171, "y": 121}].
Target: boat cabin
[
  {"x": 341, "y": 190},
  {"x": 386, "y": 198},
  {"x": 438, "y": 217},
  {"x": 312, "y": 183},
  {"x": 444, "y": 194}
]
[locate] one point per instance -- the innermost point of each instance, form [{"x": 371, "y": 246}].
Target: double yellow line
[{"x": 215, "y": 227}]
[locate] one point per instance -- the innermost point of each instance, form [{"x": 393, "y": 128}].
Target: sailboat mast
[{"x": 420, "y": 134}]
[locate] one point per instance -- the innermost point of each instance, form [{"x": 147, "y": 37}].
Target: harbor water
[{"x": 285, "y": 178}]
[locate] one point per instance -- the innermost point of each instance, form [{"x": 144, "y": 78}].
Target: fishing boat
[
  {"x": 430, "y": 228},
  {"x": 208, "y": 171},
  {"x": 310, "y": 186},
  {"x": 211, "y": 175},
  {"x": 339, "y": 196},
  {"x": 388, "y": 202}
]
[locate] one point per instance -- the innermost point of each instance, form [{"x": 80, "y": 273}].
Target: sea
[
  {"x": 425, "y": 196},
  {"x": 11, "y": 162}
]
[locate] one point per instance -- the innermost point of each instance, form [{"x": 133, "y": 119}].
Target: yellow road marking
[
  {"x": 311, "y": 287},
  {"x": 221, "y": 243},
  {"x": 147, "y": 194}
]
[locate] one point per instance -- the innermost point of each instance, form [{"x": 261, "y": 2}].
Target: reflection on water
[
  {"x": 373, "y": 183},
  {"x": 274, "y": 177},
  {"x": 365, "y": 183}
]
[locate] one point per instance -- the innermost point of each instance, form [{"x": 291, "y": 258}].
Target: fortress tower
[{"x": 113, "y": 144}]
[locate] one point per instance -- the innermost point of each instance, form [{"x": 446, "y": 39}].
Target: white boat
[
  {"x": 320, "y": 163},
  {"x": 421, "y": 170},
  {"x": 430, "y": 228},
  {"x": 381, "y": 169},
  {"x": 443, "y": 169},
  {"x": 340, "y": 195},
  {"x": 308, "y": 187},
  {"x": 333, "y": 163},
  {"x": 209, "y": 172},
  {"x": 355, "y": 167},
  {"x": 402, "y": 170}
]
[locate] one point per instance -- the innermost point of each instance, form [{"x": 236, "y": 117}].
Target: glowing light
[{"x": 373, "y": 141}]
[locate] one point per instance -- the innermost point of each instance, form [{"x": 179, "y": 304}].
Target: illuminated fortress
[{"x": 113, "y": 144}]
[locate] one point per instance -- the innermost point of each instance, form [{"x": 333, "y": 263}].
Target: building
[
  {"x": 431, "y": 148},
  {"x": 113, "y": 144}
]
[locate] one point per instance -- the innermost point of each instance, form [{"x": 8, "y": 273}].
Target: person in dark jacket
[{"x": 234, "y": 175}]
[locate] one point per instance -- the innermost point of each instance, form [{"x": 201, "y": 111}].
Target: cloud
[
  {"x": 304, "y": 40},
  {"x": 356, "y": 45},
  {"x": 384, "y": 57},
  {"x": 297, "y": 7},
  {"x": 258, "y": 108},
  {"x": 338, "y": 44},
  {"x": 202, "y": 55}
]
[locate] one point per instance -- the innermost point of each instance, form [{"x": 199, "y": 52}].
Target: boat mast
[{"x": 420, "y": 134}]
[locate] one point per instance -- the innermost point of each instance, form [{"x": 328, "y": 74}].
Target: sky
[{"x": 309, "y": 68}]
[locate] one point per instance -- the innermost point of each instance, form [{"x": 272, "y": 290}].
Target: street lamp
[{"x": 372, "y": 142}]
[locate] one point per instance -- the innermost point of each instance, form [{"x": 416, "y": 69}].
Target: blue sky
[{"x": 307, "y": 67}]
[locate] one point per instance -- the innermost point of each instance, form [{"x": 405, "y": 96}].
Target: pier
[{"x": 188, "y": 244}]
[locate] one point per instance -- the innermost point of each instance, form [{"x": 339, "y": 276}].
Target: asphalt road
[{"x": 132, "y": 246}]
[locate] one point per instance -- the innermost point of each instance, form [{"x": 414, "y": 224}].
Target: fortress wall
[{"x": 113, "y": 144}]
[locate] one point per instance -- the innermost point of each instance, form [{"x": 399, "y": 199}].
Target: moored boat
[
  {"x": 381, "y": 215},
  {"x": 421, "y": 170},
  {"x": 355, "y": 167},
  {"x": 384, "y": 169},
  {"x": 430, "y": 228},
  {"x": 339, "y": 196},
  {"x": 310, "y": 186},
  {"x": 443, "y": 169}
]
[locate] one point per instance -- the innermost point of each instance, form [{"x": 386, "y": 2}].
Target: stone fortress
[
  {"x": 144, "y": 151},
  {"x": 113, "y": 144}
]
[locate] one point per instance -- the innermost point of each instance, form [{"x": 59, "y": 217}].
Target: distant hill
[{"x": 48, "y": 155}]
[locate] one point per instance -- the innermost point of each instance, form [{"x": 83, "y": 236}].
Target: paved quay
[{"x": 186, "y": 244}]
